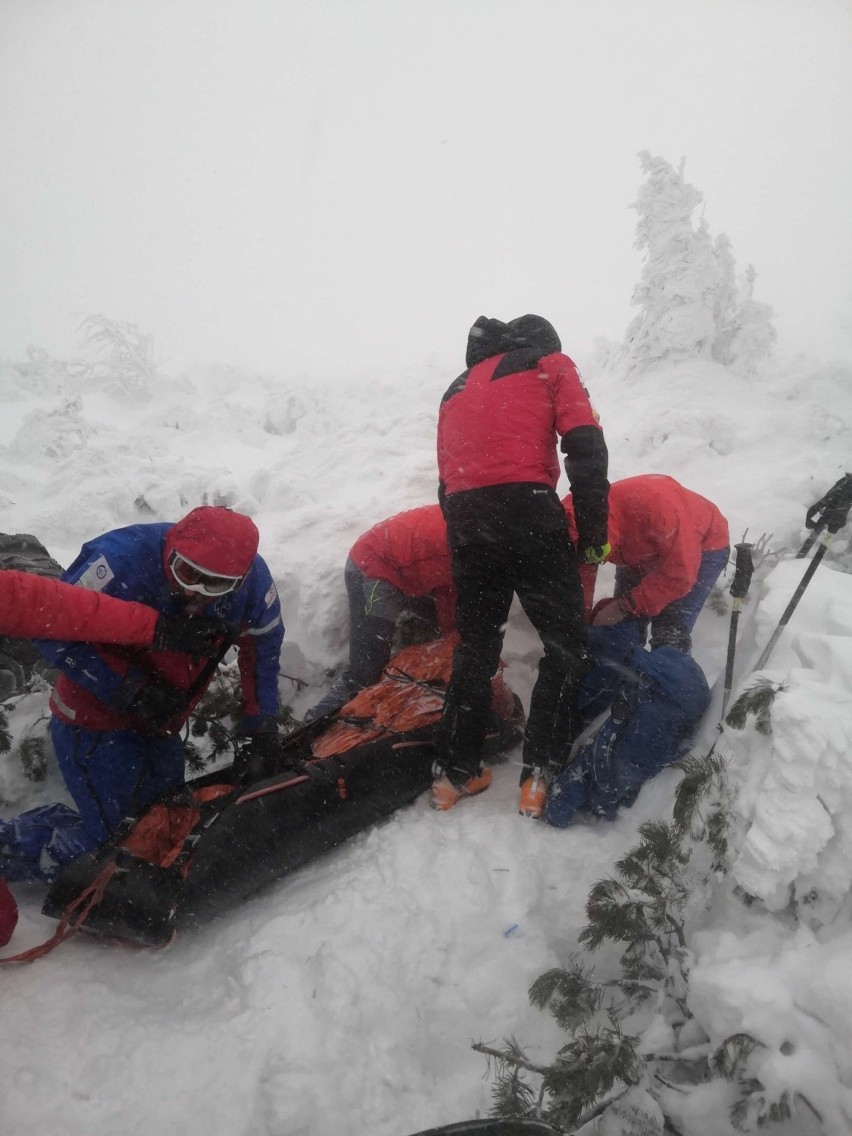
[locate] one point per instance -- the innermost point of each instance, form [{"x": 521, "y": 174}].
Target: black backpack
[{"x": 19, "y": 658}]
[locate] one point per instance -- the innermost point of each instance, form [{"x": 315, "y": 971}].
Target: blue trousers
[
  {"x": 672, "y": 626},
  {"x": 111, "y": 774}
]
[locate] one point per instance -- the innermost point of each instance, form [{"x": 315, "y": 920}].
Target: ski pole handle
[
  {"x": 832, "y": 510},
  {"x": 743, "y": 569}
]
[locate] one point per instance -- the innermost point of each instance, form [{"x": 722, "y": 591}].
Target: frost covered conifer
[
  {"x": 691, "y": 305},
  {"x": 679, "y": 283},
  {"x": 726, "y": 301},
  {"x": 754, "y": 336},
  {"x": 125, "y": 365}
]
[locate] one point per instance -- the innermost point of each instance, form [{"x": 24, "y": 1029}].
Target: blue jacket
[
  {"x": 130, "y": 563},
  {"x": 656, "y": 700}
]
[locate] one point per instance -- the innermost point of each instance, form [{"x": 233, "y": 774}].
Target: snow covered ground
[
  {"x": 333, "y": 192},
  {"x": 346, "y": 997}
]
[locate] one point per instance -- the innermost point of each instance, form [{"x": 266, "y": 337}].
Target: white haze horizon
[{"x": 317, "y": 188}]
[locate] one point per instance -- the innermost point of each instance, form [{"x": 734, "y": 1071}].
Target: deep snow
[{"x": 346, "y": 997}]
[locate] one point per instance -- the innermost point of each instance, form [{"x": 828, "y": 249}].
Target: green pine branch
[
  {"x": 755, "y": 701},
  {"x": 567, "y": 994},
  {"x": 32, "y": 753},
  {"x": 5, "y": 735},
  {"x": 643, "y": 906},
  {"x": 586, "y": 1069}
]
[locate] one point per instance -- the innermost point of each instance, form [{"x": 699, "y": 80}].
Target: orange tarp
[
  {"x": 158, "y": 836},
  {"x": 409, "y": 695}
]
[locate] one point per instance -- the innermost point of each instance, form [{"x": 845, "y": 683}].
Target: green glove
[{"x": 597, "y": 554}]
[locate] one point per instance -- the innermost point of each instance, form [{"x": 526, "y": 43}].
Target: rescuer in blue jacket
[{"x": 118, "y": 710}]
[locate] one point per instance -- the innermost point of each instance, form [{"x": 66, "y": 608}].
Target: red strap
[{"x": 87, "y": 899}]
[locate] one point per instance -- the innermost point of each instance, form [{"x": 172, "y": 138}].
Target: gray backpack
[{"x": 19, "y": 658}]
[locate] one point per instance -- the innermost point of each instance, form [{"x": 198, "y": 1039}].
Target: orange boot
[
  {"x": 533, "y": 795},
  {"x": 444, "y": 794}
]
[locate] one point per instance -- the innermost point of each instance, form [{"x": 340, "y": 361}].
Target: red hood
[{"x": 215, "y": 539}]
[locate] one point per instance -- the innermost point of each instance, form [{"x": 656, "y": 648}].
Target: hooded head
[
  {"x": 214, "y": 542},
  {"x": 533, "y": 331},
  {"x": 485, "y": 338}
]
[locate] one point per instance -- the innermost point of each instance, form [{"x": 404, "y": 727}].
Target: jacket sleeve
[
  {"x": 675, "y": 568},
  {"x": 586, "y": 456},
  {"x": 586, "y": 463},
  {"x": 38, "y": 606},
  {"x": 259, "y": 651}
]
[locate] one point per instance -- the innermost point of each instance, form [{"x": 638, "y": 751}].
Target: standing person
[
  {"x": 669, "y": 546},
  {"x": 498, "y": 467},
  {"x": 117, "y": 710},
  {"x": 401, "y": 564}
]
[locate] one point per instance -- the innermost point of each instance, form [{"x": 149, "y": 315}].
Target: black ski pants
[{"x": 539, "y": 565}]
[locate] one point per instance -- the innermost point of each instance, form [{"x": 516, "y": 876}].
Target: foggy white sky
[{"x": 316, "y": 186}]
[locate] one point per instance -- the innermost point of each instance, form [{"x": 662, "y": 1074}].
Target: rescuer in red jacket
[
  {"x": 669, "y": 546},
  {"x": 498, "y": 467},
  {"x": 401, "y": 564}
]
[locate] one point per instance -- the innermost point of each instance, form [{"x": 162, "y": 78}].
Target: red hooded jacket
[
  {"x": 39, "y": 607},
  {"x": 410, "y": 551},
  {"x": 497, "y": 429},
  {"x": 661, "y": 529}
]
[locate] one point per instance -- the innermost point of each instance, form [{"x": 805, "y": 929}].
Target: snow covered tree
[
  {"x": 125, "y": 366},
  {"x": 725, "y": 302},
  {"x": 691, "y": 304},
  {"x": 753, "y": 336},
  {"x": 678, "y": 288}
]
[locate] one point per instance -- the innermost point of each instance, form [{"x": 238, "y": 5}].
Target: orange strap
[{"x": 87, "y": 899}]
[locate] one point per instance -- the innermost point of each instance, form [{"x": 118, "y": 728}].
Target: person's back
[
  {"x": 669, "y": 544},
  {"x": 401, "y": 564},
  {"x": 498, "y": 425},
  {"x": 651, "y": 513},
  {"x": 409, "y": 550},
  {"x": 498, "y": 470}
]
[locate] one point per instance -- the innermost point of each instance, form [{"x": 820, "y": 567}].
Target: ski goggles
[{"x": 196, "y": 579}]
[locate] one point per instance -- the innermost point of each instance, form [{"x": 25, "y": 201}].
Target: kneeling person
[
  {"x": 401, "y": 564},
  {"x": 117, "y": 710},
  {"x": 669, "y": 546}
]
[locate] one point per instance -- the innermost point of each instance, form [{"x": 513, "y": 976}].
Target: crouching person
[
  {"x": 399, "y": 565},
  {"x": 118, "y": 710},
  {"x": 669, "y": 546}
]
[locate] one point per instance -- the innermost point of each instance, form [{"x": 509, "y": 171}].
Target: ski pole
[
  {"x": 834, "y": 507},
  {"x": 744, "y": 567}
]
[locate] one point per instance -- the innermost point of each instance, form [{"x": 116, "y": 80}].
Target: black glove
[
  {"x": 158, "y": 702},
  {"x": 191, "y": 634},
  {"x": 256, "y": 757}
]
